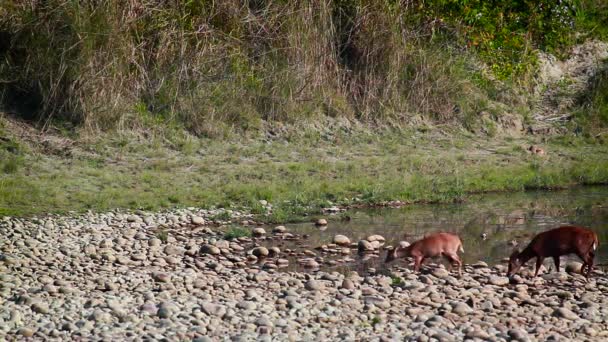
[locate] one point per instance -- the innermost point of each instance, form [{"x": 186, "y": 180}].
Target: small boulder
[
  {"x": 341, "y": 240},
  {"x": 574, "y": 267},
  {"x": 210, "y": 249},
  {"x": 260, "y": 252},
  {"x": 321, "y": 222},
  {"x": 565, "y": 313},
  {"x": 258, "y": 231},
  {"x": 197, "y": 220},
  {"x": 365, "y": 246},
  {"x": 274, "y": 251},
  {"x": 376, "y": 237},
  {"x": 498, "y": 280},
  {"x": 279, "y": 229}
]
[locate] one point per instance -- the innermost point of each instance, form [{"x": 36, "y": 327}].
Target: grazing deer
[
  {"x": 557, "y": 242},
  {"x": 438, "y": 244}
]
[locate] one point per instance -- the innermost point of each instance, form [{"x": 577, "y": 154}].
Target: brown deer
[
  {"x": 438, "y": 244},
  {"x": 557, "y": 242}
]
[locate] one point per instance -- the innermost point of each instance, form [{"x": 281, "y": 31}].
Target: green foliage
[
  {"x": 397, "y": 281},
  {"x": 376, "y": 320},
  {"x": 236, "y": 232},
  {"x": 505, "y": 32},
  {"x": 222, "y": 216},
  {"x": 162, "y": 235}
]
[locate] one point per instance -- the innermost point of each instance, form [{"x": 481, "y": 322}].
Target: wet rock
[
  {"x": 341, "y": 240},
  {"x": 274, "y": 251},
  {"x": 321, "y": 222},
  {"x": 365, "y": 246},
  {"x": 260, "y": 252},
  {"x": 258, "y": 231},
  {"x": 279, "y": 229},
  {"x": 376, "y": 237}
]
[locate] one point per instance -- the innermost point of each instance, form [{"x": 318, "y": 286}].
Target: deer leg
[
  {"x": 591, "y": 256},
  {"x": 539, "y": 263},
  {"x": 585, "y": 266},
  {"x": 454, "y": 258},
  {"x": 556, "y": 260},
  {"x": 417, "y": 261}
]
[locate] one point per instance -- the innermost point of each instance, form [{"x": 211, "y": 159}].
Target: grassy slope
[{"x": 306, "y": 170}]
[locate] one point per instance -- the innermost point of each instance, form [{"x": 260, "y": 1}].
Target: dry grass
[{"x": 215, "y": 67}]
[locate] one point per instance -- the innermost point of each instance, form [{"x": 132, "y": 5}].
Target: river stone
[
  {"x": 212, "y": 309},
  {"x": 258, "y": 231},
  {"x": 313, "y": 285},
  {"x": 573, "y": 267},
  {"x": 161, "y": 277},
  {"x": 347, "y": 284},
  {"x": 498, "y": 280},
  {"x": 321, "y": 222},
  {"x": 559, "y": 276},
  {"x": 260, "y": 252},
  {"x": 279, "y": 230},
  {"x": 40, "y": 308},
  {"x": 376, "y": 237},
  {"x": 565, "y": 313},
  {"x": 309, "y": 263},
  {"x": 106, "y": 243},
  {"x": 341, "y": 240},
  {"x": 210, "y": 249},
  {"x": 197, "y": 220},
  {"x": 518, "y": 335},
  {"x": 274, "y": 251},
  {"x": 461, "y": 308},
  {"x": 26, "y": 332},
  {"x": 440, "y": 272},
  {"x": 365, "y": 246}
]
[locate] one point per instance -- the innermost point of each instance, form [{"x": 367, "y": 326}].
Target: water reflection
[{"x": 505, "y": 219}]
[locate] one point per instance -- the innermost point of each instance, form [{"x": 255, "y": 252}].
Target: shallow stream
[{"x": 506, "y": 219}]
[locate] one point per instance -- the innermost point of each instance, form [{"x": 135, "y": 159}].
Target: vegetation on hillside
[{"x": 212, "y": 67}]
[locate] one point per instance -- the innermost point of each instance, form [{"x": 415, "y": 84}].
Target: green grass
[
  {"x": 237, "y": 232},
  {"x": 298, "y": 176}
]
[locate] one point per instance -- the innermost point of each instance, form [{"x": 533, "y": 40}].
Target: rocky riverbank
[{"x": 171, "y": 276}]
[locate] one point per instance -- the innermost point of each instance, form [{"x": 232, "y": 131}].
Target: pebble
[
  {"x": 260, "y": 252},
  {"x": 209, "y": 249},
  {"x": 341, "y": 240},
  {"x": 565, "y": 313},
  {"x": 498, "y": 280},
  {"x": 313, "y": 285},
  {"x": 279, "y": 229},
  {"x": 197, "y": 220},
  {"x": 365, "y": 246},
  {"x": 258, "y": 231}
]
